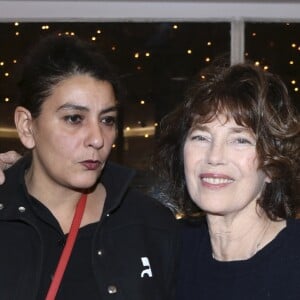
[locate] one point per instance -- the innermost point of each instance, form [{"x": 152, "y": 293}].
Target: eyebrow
[
  {"x": 71, "y": 106},
  {"x": 237, "y": 129}
]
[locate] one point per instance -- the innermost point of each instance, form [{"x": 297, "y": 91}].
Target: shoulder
[
  {"x": 132, "y": 206},
  {"x": 288, "y": 242},
  {"x": 14, "y": 177},
  {"x": 193, "y": 232},
  {"x": 148, "y": 209},
  {"x": 192, "y": 227},
  {"x": 292, "y": 230}
]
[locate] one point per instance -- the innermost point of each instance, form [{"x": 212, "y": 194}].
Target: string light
[{"x": 94, "y": 36}]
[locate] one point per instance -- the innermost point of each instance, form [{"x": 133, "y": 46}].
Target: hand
[{"x": 7, "y": 159}]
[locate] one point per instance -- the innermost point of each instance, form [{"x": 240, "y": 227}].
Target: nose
[
  {"x": 94, "y": 138},
  {"x": 216, "y": 154}
]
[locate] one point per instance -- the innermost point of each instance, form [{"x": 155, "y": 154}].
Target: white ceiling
[
  {"x": 151, "y": 10},
  {"x": 151, "y": 1}
]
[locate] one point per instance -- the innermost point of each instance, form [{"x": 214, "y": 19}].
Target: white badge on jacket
[{"x": 147, "y": 271}]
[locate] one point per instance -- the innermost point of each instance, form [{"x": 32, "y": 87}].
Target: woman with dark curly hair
[{"x": 230, "y": 155}]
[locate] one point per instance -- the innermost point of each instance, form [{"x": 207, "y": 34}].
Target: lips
[
  {"x": 215, "y": 180},
  {"x": 91, "y": 164}
]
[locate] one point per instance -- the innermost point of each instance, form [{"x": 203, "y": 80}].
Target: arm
[{"x": 7, "y": 159}]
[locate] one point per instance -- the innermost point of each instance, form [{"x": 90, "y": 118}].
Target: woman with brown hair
[{"x": 230, "y": 156}]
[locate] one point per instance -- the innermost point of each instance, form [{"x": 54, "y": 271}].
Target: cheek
[
  {"x": 60, "y": 143},
  {"x": 189, "y": 167},
  {"x": 248, "y": 162},
  {"x": 187, "y": 161},
  {"x": 250, "y": 167},
  {"x": 109, "y": 139},
  {"x": 188, "y": 154},
  {"x": 112, "y": 136}
]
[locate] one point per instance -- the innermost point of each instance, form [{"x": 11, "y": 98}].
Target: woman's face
[
  {"x": 73, "y": 135},
  {"x": 221, "y": 167}
]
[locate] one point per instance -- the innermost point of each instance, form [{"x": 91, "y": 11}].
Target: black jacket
[{"x": 134, "y": 247}]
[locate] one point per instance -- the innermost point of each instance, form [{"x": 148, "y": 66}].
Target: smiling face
[
  {"x": 73, "y": 135},
  {"x": 221, "y": 167}
]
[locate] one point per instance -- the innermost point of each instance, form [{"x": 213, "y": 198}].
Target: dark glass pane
[
  {"x": 155, "y": 60},
  {"x": 276, "y": 47}
]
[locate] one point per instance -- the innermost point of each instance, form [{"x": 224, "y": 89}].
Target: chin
[{"x": 84, "y": 184}]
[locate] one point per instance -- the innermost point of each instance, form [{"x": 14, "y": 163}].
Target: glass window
[
  {"x": 276, "y": 47},
  {"x": 155, "y": 60}
]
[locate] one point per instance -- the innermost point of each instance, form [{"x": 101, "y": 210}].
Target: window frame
[{"x": 237, "y": 13}]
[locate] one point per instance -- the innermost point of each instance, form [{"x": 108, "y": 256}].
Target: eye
[
  {"x": 243, "y": 141},
  {"x": 199, "y": 137},
  {"x": 109, "y": 120},
  {"x": 73, "y": 119}
]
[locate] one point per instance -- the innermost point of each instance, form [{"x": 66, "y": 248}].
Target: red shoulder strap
[{"x": 65, "y": 256}]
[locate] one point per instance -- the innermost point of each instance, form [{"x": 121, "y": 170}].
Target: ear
[{"x": 24, "y": 124}]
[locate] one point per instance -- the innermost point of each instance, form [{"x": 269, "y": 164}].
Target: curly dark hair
[{"x": 255, "y": 99}]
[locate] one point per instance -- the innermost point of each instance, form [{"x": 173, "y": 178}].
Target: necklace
[
  {"x": 264, "y": 231},
  {"x": 260, "y": 239}
]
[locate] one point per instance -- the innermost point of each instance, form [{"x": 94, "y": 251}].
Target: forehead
[
  {"x": 221, "y": 122},
  {"x": 214, "y": 120},
  {"x": 82, "y": 90},
  {"x": 222, "y": 118}
]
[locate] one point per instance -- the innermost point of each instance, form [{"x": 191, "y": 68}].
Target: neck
[
  {"x": 53, "y": 197},
  {"x": 62, "y": 201},
  {"x": 241, "y": 239}
]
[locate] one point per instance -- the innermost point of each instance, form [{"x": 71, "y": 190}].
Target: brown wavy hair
[{"x": 255, "y": 99}]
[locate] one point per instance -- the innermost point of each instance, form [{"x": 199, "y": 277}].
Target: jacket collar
[
  {"x": 116, "y": 180},
  {"x": 13, "y": 193}
]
